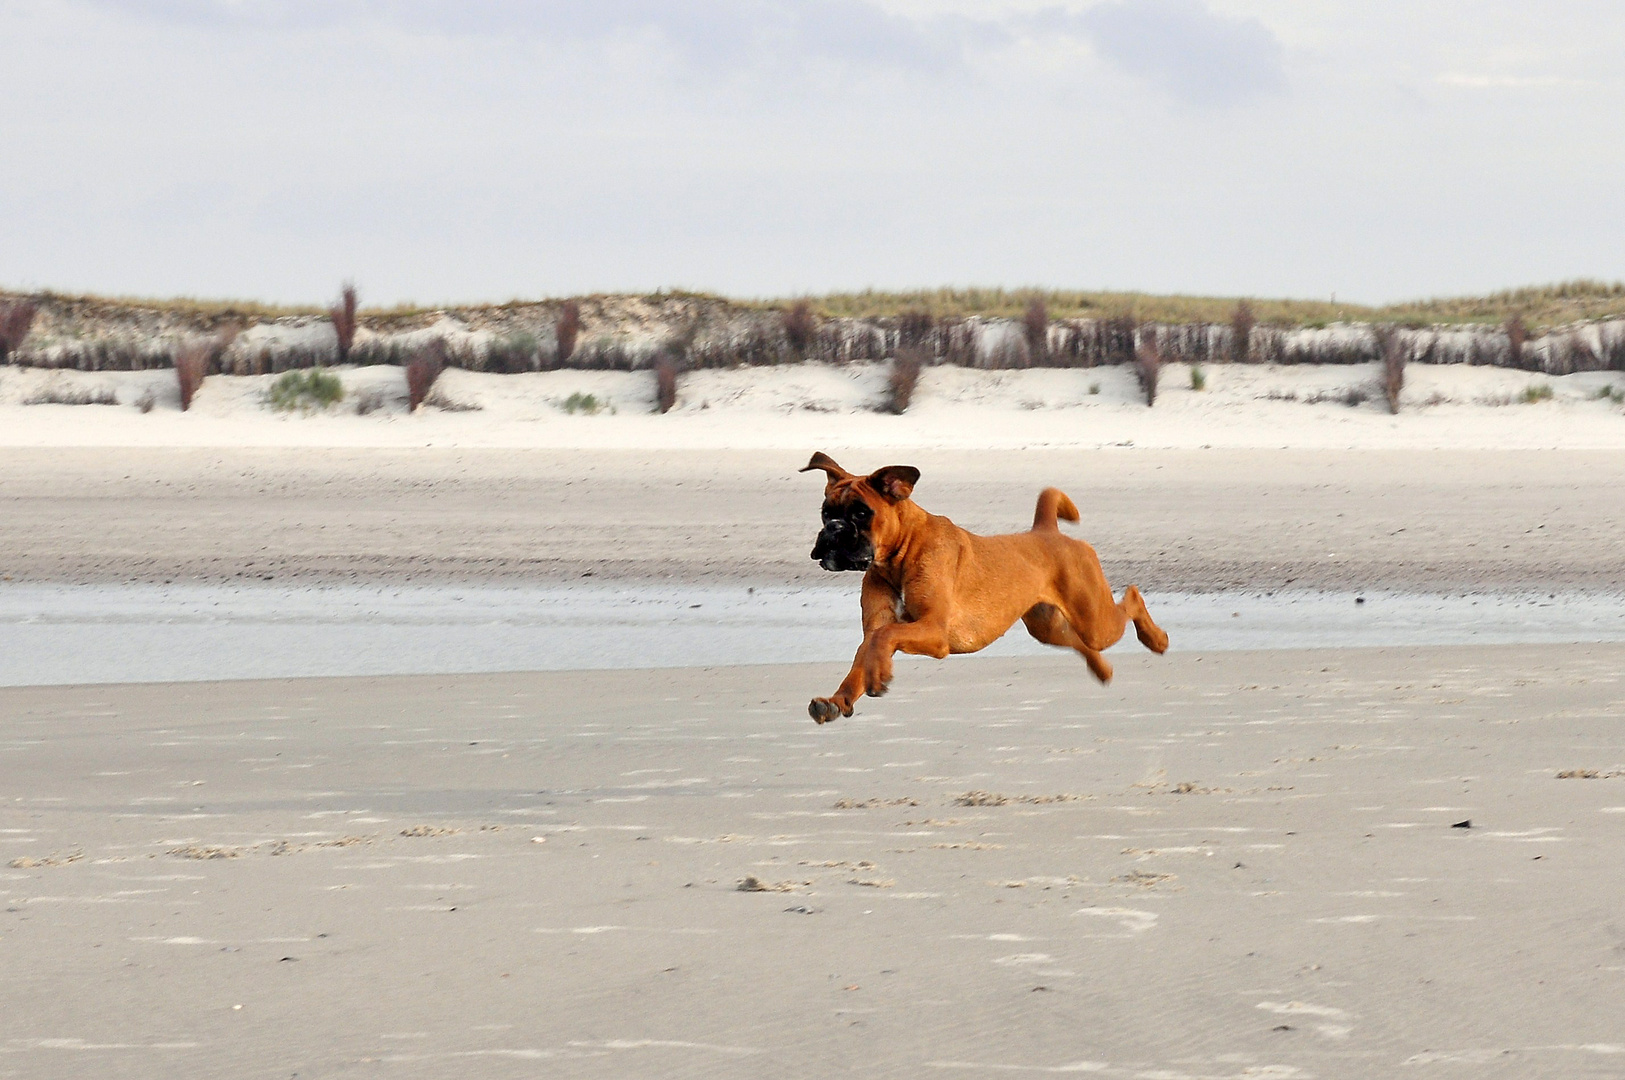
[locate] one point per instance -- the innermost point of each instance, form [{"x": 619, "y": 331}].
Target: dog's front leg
[
  {"x": 880, "y": 606},
  {"x": 924, "y": 637},
  {"x": 872, "y": 667},
  {"x": 854, "y": 686}
]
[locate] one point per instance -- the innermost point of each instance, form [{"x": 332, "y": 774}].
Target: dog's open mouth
[
  {"x": 835, "y": 562},
  {"x": 841, "y": 547}
]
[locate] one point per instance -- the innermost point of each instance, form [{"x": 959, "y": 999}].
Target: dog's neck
[{"x": 891, "y": 561}]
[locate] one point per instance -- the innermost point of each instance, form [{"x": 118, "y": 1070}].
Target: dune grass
[
  {"x": 190, "y": 307},
  {"x": 1536, "y": 307},
  {"x": 952, "y": 303},
  {"x": 61, "y": 395},
  {"x": 305, "y": 389},
  {"x": 583, "y": 403}
]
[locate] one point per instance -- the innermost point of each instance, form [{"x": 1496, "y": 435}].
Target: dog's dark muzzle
[{"x": 842, "y": 546}]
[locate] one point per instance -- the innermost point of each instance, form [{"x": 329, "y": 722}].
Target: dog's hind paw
[{"x": 823, "y": 710}]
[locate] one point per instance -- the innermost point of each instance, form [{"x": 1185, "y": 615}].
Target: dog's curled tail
[{"x": 1053, "y": 504}]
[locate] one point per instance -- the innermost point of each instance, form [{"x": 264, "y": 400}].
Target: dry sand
[
  {"x": 1428, "y": 521},
  {"x": 1237, "y": 865},
  {"x": 788, "y": 407}
]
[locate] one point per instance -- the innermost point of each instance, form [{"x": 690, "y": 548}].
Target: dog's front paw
[{"x": 823, "y": 710}]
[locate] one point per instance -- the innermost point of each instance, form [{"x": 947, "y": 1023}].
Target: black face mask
[{"x": 843, "y": 543}]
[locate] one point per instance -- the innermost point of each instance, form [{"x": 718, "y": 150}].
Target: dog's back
[{"x": 932, "y": 588}]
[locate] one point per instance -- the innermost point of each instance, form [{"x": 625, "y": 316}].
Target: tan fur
[{"x": 936, "y": 589}]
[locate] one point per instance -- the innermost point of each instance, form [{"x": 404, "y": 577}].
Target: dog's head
[{"x": 860, "y": 513}]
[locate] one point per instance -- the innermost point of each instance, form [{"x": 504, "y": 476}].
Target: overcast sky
[{"x": 458, "y": 150}]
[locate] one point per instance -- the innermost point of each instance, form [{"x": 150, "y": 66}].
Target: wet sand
[
  {"x": 76, "y": 634},
  {"x": 1224, "y": 865},
  {"x": 1170, "y": 520}
]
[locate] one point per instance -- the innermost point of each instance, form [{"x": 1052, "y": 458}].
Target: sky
[{"x": 440, "y": 151}]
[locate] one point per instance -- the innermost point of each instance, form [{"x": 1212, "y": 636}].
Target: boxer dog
[{"x": 930, "y": 588}]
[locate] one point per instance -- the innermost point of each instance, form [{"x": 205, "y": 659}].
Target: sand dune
[
  {"x": 1224, "y": 865},
  {"x": 792, "y": 406}
]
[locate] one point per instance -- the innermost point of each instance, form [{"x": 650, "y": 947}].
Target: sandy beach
[
  {"x": 1246, "y": 865},
  {"x": 409, "y": 636},
  {"x": 1432, "y": 521},
  {"x": 1226, "y": 864}
]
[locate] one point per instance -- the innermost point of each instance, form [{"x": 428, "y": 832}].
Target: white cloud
[
  {"x": 438, "y": 150},
  {"x": 1181, "y": 46}
]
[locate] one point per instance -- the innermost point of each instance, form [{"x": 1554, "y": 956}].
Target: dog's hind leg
[
  {"x": 1150, "y": 634},
  {"x": 1046, "y": 623},
  {"x": 1100, "y": 625}
]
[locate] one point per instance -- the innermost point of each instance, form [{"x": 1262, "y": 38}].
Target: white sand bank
[{"x": 1450, "y": 406}]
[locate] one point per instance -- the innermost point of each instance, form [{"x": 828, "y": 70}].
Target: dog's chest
[{"x": 903, "y": 609}]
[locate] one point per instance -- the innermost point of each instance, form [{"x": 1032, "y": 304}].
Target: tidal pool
[{"x": 57, "y": 634}]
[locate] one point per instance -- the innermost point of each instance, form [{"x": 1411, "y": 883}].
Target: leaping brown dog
[{"x": 930, "y": 588}]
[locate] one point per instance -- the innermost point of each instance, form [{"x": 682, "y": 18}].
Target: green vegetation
[
  {"x": 1533, "y": 393},
  {"x": 1198, "y": 377},
  {"x": 305, "y": 390},
  {"x": 1539, "y": 306},
  {"x": 952, "y": 303},
  {"x": 583, "y": 403},
  {"x": 187, "y": 306},
  {"x": 60, "y": 395}
]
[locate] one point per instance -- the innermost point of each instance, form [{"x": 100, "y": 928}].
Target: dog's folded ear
[
  {"x": 823, "y": 461},
  {"x": 895, "y": 482}
]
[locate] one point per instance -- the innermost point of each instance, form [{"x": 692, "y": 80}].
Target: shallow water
[{"x": 52, "y": 634}]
